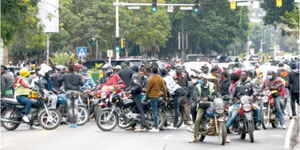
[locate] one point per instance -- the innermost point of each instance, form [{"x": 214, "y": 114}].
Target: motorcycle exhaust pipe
[{"x": 10, "y": 121}]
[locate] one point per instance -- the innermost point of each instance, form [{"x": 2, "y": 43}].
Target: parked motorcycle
[
  {"x": 11, "y": 116},
  {"x": 108, "y": 118}
]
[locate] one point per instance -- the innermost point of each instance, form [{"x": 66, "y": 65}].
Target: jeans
[
  {"x": 232, "y": 115},
  {"x": 294, "y": 100},
  {"x": 137, "y": 100},
  {"x": 24, "y": 100},
  {"x": 153, "y": 103},
  {"x": 279, "y": 110},
  {"x": 176, "y": 97},
  {"x": 72, "y": 102}
]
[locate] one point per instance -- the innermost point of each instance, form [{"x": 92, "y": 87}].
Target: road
[{"x": 90, "y": 137}]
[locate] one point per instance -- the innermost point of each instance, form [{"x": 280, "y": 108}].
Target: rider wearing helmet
[
  {"x": 87, "y": 80},
  {"x": 23, "y": 88}
]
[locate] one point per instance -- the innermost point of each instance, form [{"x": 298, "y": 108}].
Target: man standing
[
  {"x": 294, "y": 87},
  {"x": 72, "y": 83},
  {"x": 7, "y": 83},
  {"x": 225, "y": 83},
  {"x": 155, "y": 88},
  {"x": 126, "y": 74}
]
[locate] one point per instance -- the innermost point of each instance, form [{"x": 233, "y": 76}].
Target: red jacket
[{"x": 114, "y": 81}]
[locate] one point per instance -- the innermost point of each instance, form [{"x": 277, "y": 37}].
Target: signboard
[
  {"x": 186, "y": 8},
  {"x": 48, "y": 15},
  {"x": 110, "y": 53},
  {"x": 133, "y": 7},
  {"x": 81, "y": 51},
  {"x": 170, "y": 9}
]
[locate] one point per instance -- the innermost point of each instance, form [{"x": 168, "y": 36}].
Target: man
[
  {"x": 72, "y": 83},
  {"x": 7, "y": 83},
  {"x": 243, "y": 87},
  {"x": 225, "y": 83},
  {"x": 56, "y": 77},
  {"x": 213, "y": 76},
  {"x": 174, "y": 90},
  {"x": 155, "y": 88},
  {"x": 87, "y": 80},
  {"x": 126, "y": 74},
  {"x": 135, "y": 89},
  {"x": 294, "y": 87},
  {"x": 181, "y": 79},
  {"x": 205, "y": 91},
  {"x": 204, "y": 69},
  {"x": 274, "y": 83}
]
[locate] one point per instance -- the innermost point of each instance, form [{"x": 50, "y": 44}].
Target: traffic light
[
  {"x": 154, "y": 6},
  {"x": 123, "y": 43},
  {"x": 278, "y": 3},
  {"x": 117, "y": 44},
  {"x": 233, "y": 5},
  {"x": 196, "y": 6}
]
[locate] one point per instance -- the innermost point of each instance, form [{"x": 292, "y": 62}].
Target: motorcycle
[
  {"x": 169, "y": 113},
  {"x": 245, "y": 123},
  {"x": 268, "y": 113},
  {"x": 213, "y": 121},
  {"x": 123, "y": 112},
  {"x": 11, "y": 116}
]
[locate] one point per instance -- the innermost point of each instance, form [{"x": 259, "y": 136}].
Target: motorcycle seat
[{"x": 10, "y": 101}]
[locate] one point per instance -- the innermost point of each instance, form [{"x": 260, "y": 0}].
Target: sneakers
[
  {"x": 25, "y": 118},
  {"x": 33, "y": 127},
  {"x": 283, "y": 127},
  {"x": 194, "y": 140},
  {"x": 154, "y": 130},
  {"x": 227, "y": 139},
  {"x": 73, "y": 125},
  {"x": 140, "y": 130}
]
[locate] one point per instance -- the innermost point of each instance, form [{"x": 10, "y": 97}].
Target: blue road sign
[{"x": 81, "y": 51}]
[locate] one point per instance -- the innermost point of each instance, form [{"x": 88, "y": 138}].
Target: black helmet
[
  {"x": 109, "y": 72},
  {"x": 163, "y": 72},
  {"x": 134, "y": 68}
]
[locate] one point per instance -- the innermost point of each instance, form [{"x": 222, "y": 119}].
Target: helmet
[
  {"x": 118, "y": 67},
  {"x": 163, "y": 72},
  {"x": 24, "y": 72},
  {"x": 168, "y": 66}
]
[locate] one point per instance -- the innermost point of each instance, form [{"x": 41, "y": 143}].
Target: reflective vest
[{"x": 20, "y": 90}]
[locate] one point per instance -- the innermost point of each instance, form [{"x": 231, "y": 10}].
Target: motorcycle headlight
[
  {"x": 247, "y": 107},
  {"x": 265, "y": 99},
  {"x": 103, "y": 95}
]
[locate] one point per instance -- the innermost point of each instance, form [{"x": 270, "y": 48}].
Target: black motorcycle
[
  {"x": 11, "y": 115},
  {"x": 168, "y": 109},
  {"x": 123, "y": 112}
]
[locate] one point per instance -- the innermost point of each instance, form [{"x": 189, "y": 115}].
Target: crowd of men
[{"x": 188, "y": 89}]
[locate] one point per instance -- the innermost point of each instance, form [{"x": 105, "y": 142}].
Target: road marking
[
  {"x": 167, "y": 136},
  {"x": 289, "y": 134}
]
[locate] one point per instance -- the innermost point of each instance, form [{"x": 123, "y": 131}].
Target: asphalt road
[{"x": 90, "y": 137}]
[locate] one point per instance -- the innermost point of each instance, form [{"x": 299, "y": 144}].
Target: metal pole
[
  {"x": 179, "y": 41},
  {"x": 97, "y": 53},
  {"x": 47, "y": 49},
  {"x": 117, "y": 28}
]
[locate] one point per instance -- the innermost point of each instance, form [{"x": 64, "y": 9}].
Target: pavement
[{"x": 90, "y": 137}]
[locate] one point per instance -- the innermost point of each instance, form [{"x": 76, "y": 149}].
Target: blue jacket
[{"x": 88, "y": 82}]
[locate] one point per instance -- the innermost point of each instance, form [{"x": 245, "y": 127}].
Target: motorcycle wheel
[
  {"x": 123, "y": 124},
  {"x": 180, "y": 119},
  {"x": 10, "y": 114},
  {"x": 82, "y": 116},
  {"x": 50, "y": 122},
  {"x": 243, "y": 136},
  {"x": 222, "y": 133},
  {"x": 251, "y": 130},
  {"x": 102, "y": 120},
  {"x": 161, "y": 120},
  {"x": 265, "y": 120}
]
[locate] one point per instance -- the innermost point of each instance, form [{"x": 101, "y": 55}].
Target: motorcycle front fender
[{"x": 248, "y": 116}]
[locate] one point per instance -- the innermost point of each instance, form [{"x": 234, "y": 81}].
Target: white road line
[
  {"x": 289, "y": 134},
  {"x": 167, "y": 136}
]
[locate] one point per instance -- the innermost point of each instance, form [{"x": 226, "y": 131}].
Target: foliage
[{"x": 63, "y": 58}]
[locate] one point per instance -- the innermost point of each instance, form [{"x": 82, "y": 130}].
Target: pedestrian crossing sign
[{"x": 81, "y": 51}]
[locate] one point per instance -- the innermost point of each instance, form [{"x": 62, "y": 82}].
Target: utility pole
[
  {"x": 117, "y": 28},
  {"x": 47, "y": 48}
]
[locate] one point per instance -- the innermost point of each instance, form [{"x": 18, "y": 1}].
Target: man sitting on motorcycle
[
  {"x": 206, "y": 90},
  {"x": 114, "y": 81},
  {"x": 274, "y": 83},
  {"x": 23, "y": 88},
  {"x": 243, "y": 87},
  {"x": 87, "y": 80}
]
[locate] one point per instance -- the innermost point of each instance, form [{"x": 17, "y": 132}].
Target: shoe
[
  {"x": 190, "y": 129},
  {"x": 257, "y": 127},
  {"x": 194, "y": 140},
  {"x": 227, "y": 139},
  {"x": 154, "y": 130},
  {"x": 25, "y": 118},
  {"x": 33, "y": 127},
  {"x": 140, "y": 130},
  {"x": 131, "y": 128},
  {"x": 283, "y": 127}
]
